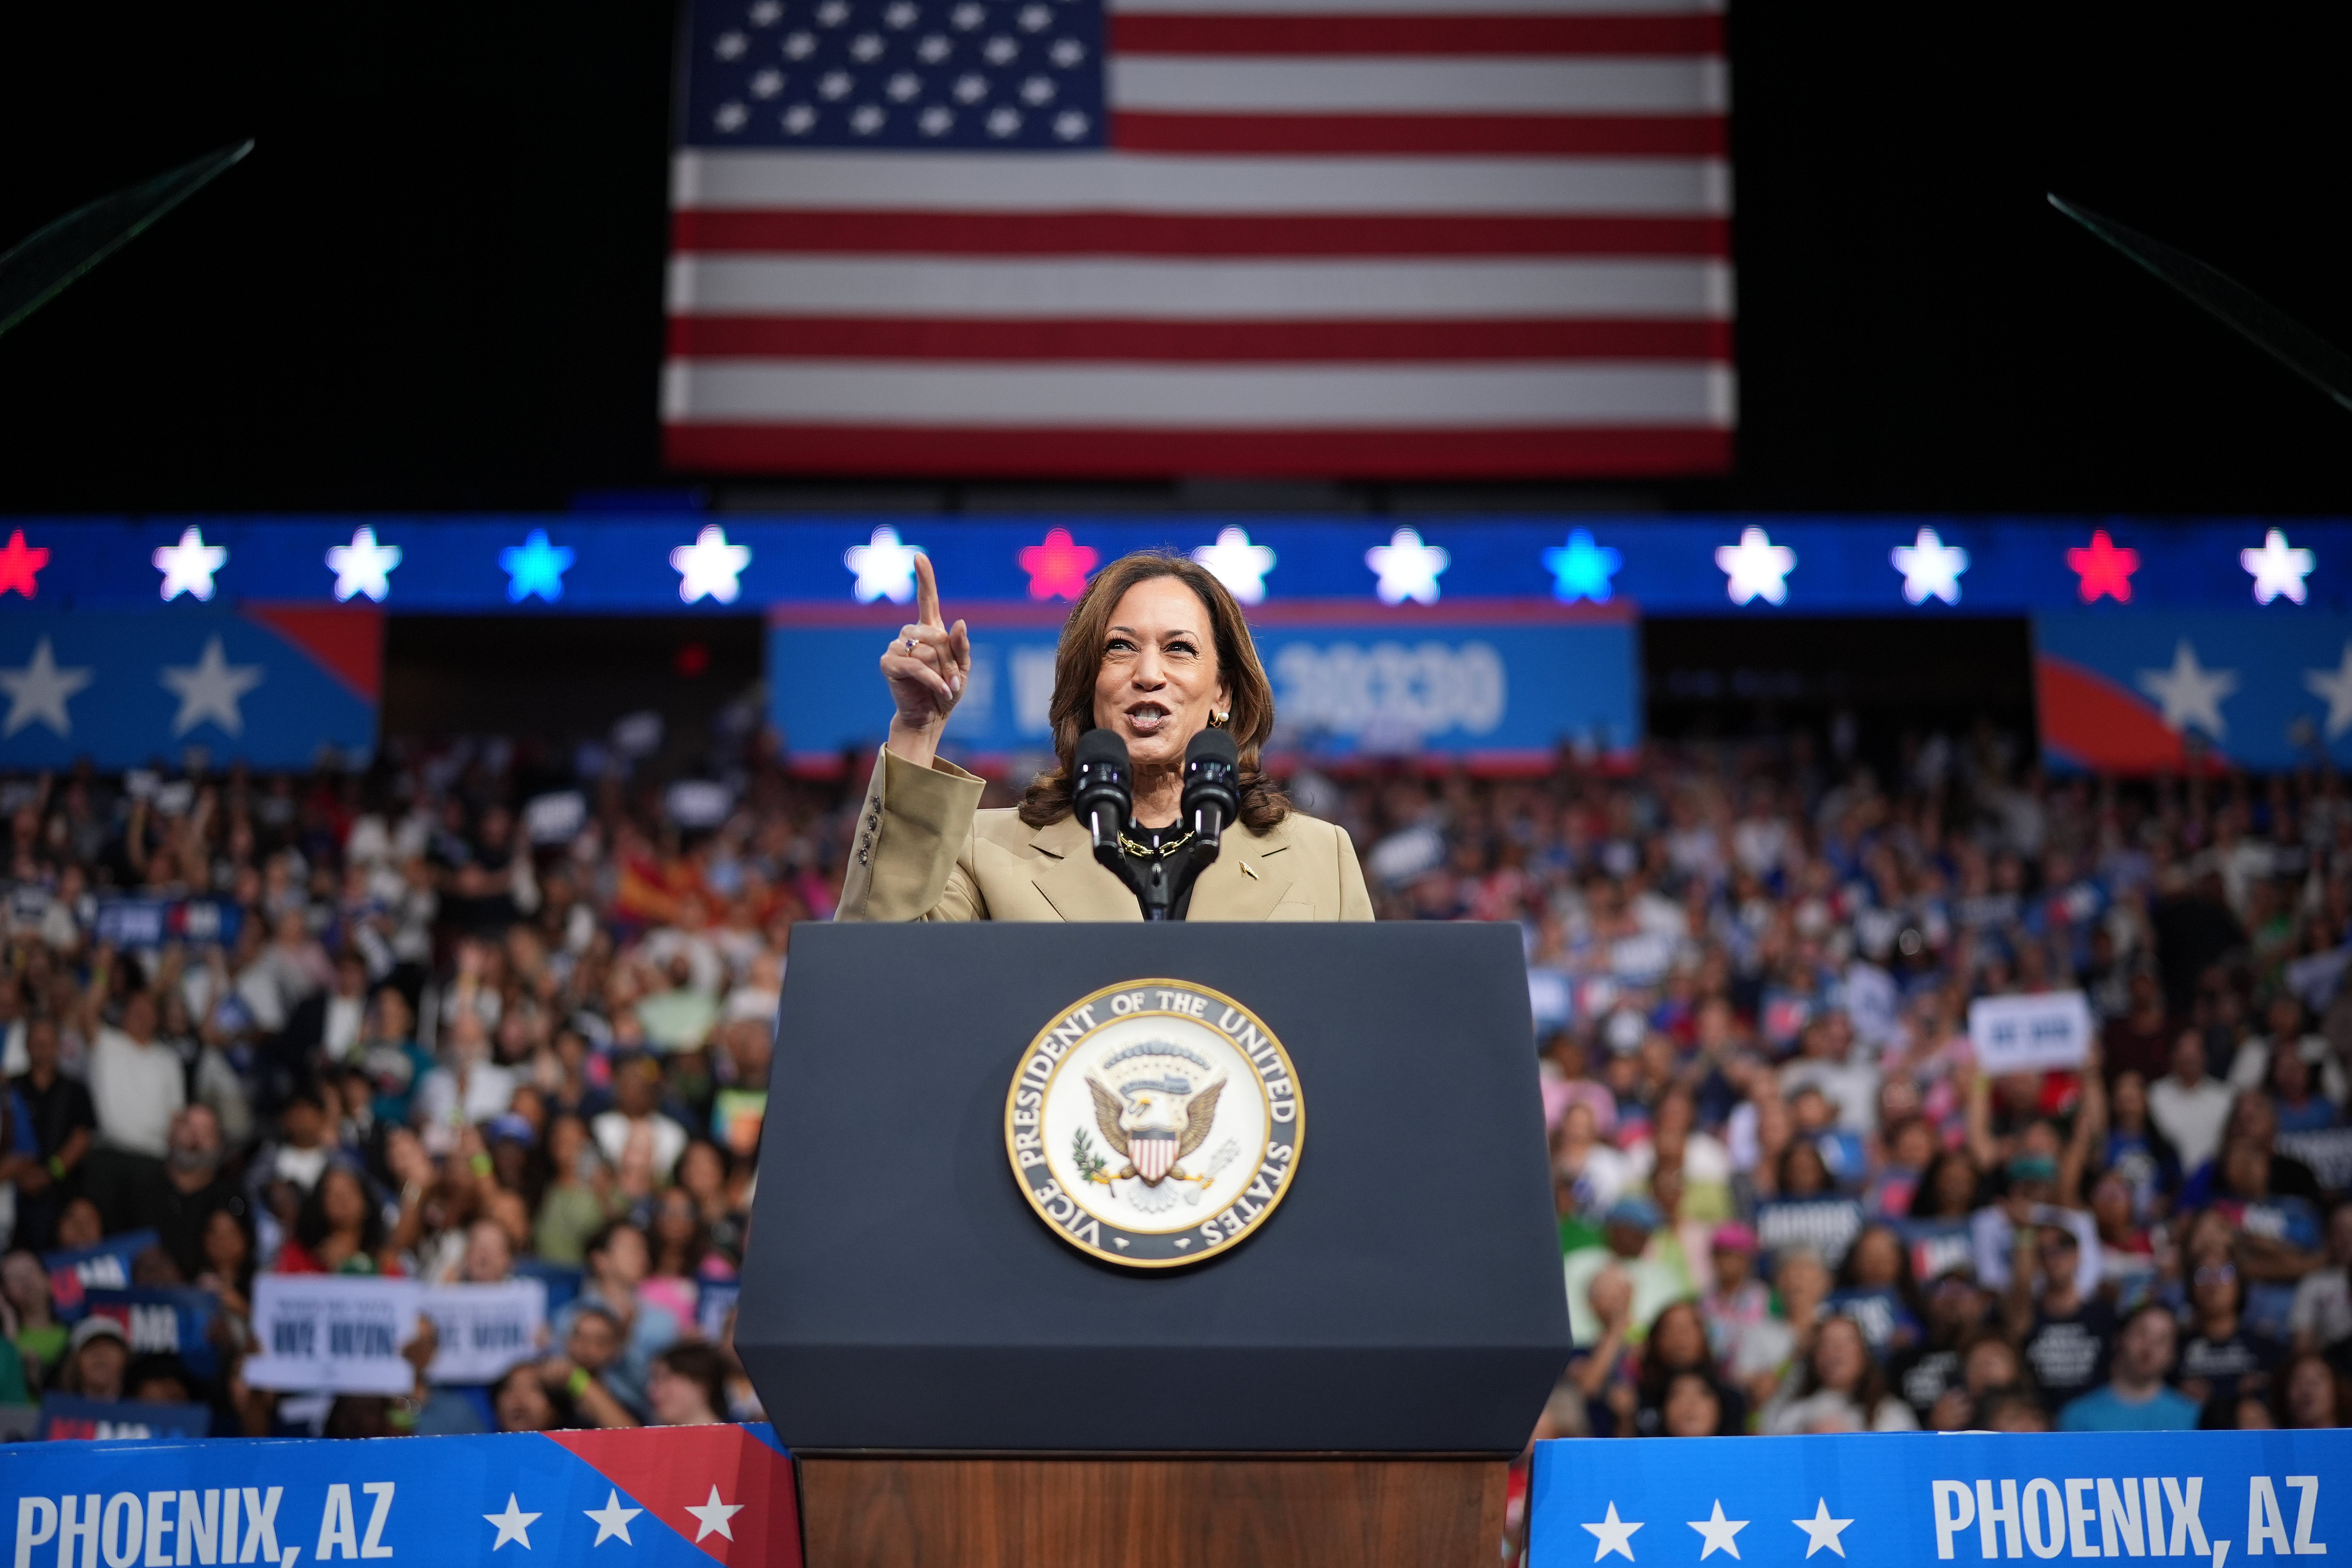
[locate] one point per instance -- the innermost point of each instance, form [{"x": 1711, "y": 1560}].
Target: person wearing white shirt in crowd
[
  {"x": 468, "y": 1088},
  {"x": 636, "y": 1087},
  {"x": 2252, "y": 1065},
  {"x": 136, "y": 1086},
  {"x": 2187, "y": 1107}
]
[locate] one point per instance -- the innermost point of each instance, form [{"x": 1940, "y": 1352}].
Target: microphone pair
[{"x": 1103, "y": 791}]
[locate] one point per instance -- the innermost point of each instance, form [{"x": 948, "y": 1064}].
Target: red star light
[
  {"x": 1057, "y": 569},
  {"x": 2104, "y": 567},
  {"x": 18, "y": 562}
]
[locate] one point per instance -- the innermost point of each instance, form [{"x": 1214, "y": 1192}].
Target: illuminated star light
[
  {"x": 1057, "y": 568},
  {"x": 2277, "y": 570},
  {"x": 210, "y": 689},
  {"x": 1408, "y": 568},
  {"x": 1931, "y": 569},
  {"x": 362, "y": 566},
  {"x": 1581, "y": 569},
  {"x": 709, "y": 566},
  {"x": 2188, "y": 692},
  {"x": 1240, "y": 565},
  {"x": 188, "y": 567},
  {"x": 1756, "y": 568},
  {"x": 18, "y": 563},
  {"x": 535, "y": 566},
  {"x": 715, "y": 1515},
  {"x": 1612, "y": 1534},
  {"x": 885, "y": 567},
  {"x": 38, "y": 692},
  {"x": 2332, "y": 687},
  {"x": 2104, "y": 567}
]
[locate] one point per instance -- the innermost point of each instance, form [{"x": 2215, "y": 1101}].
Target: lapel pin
[{"x": 1249, "y": 872}]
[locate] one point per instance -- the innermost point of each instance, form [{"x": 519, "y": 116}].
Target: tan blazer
[{"x": 925, "y": 851}]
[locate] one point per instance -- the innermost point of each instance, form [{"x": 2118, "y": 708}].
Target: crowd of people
[{"x": 450, "y": 1020}]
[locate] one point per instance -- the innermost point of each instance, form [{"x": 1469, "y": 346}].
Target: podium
[{"x": 1344, "y": 1384}]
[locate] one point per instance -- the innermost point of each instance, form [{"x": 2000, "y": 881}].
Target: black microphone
[
  {"x": 1212, "y": 794},
  {"x": 1103, "y": 792}
]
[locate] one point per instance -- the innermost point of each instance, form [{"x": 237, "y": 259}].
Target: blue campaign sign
[
  {"x": 74, "y": 1273},
  {"x": 1969, "y": 1498},
  {"x": 2154, "y": 691},
  {"x": 163, "y": 1320},
  {"x": 677, "y": 1497},
  {"x": 1499, "y": 689},
  {"x": 66, "y": 1415},
  {"x": 272, "y": 686}
]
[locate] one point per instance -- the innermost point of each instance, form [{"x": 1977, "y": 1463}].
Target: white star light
[
  {"x": 1717, "y": 1533},
  {"x": 188, "y": 567},
  {"x": 885, "y": 567},
  {"x": 1756, "y": 567},
  {"x": 2189, "y": 693},
  {"x": 2332, "y": 687},
  {"x": 1821, "y": 1529},
  {"x": 1240, "y": 565},
  {"x": 2277, "y": 570},
  {"x": 362, "y": 566},
  {"x": 210, "y": 689},
  {"x": 513, "y": 1525},
  {"x": 1931, "y": 569},
  {"x": 1408, "y": 568},
  {"x": 714, "y": 1516},
  {"x": 1612, "y": 1534},
  {"x": 38, "y": 693},
  {"x": 613, "y": 1520},
  {"x": 709, "y": 566}
]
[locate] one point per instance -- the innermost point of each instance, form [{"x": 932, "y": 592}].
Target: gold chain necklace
[{"x": 1145, "y": 851}]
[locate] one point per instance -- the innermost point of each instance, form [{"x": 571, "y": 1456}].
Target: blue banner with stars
[
  {"x": 2166, "y": 690},
  {"x": 1921, "y": 1498},
  {"x": 663, "y": 1497},
  {"x": 271, "y": 686}
]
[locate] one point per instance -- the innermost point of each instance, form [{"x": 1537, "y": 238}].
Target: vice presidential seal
[{"x": 1154, "y": 1123}]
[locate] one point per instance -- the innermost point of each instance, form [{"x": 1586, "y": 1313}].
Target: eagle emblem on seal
[{"x": 1156, "y": 1111}]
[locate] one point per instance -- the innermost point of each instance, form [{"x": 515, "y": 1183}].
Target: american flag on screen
[{"x": 1346, "y": 237}]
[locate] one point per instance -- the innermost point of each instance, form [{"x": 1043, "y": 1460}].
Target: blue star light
[
  {"x": 535, "y": 566},
  {"x": 1581, "y": 569}
]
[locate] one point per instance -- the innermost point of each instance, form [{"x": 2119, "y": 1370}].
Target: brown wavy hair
[{"x": 1079, "y": 660}]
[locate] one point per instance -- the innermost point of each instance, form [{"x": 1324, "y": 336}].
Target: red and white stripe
[{"x": 1378, "y": 237}]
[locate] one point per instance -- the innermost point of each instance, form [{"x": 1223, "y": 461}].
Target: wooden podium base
[{"x": 1225, "y": 1512}]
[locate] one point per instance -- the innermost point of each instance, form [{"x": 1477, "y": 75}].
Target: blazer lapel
[
  {"x": 1071, "y": 882},
  {"x": 1247, "y": 880}
]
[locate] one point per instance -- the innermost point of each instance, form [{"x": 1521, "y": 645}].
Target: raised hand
[{"x": 927, "y": 665}]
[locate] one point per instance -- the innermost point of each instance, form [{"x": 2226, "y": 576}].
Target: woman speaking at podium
[{"x": 1155, "y": 651}]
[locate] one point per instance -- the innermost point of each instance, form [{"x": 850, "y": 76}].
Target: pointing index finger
[{"x": 927, "y": 593}]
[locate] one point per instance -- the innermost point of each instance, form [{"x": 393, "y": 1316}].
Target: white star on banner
[
  {"x": 513, "y": 1525},
  {"x": 1756, "y": 568},
  {"x": 885, "y": 568},
  {"x": 1931, "y": 569},
  {"x": 714, "y": 1516},
  {"x": 211, "y": 689},
  {"x": 1821, "y": 1529},
  {"x": 612, "y": 1520},
  {"x": 38, "y": 693},
  {"x": 2332, "y": 687},
  {"x": 1408, "y": 568},
  {"x": 2277, "y": 569},
  {"x": 188, "y": 567},
  {"x": 1240, "y": 565},
  {"x": 2188, "y": 692},
  {"x": 362, "y": 566},
  {"x": 1717, "y": 1533},
  {"x": 1612, "y": 1534},
  {"x": 709, "y": 566}
]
